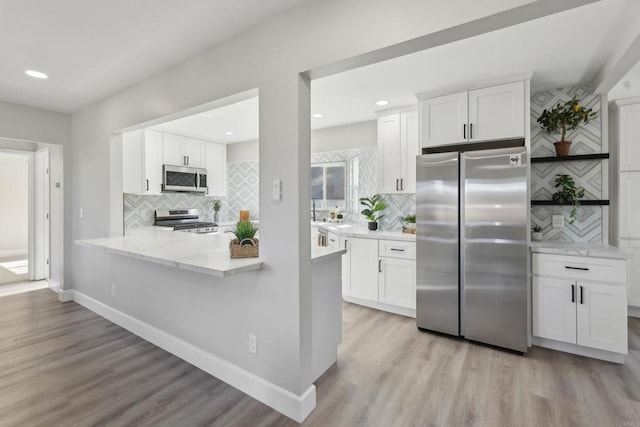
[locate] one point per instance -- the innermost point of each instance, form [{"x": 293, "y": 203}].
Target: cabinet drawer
[
  {"x": 580, "y": 268},
  {"x": 397, "y": 249},
  {"x": 333, "y": 240}
]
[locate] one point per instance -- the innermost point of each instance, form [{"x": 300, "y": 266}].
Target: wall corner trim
[
  {"x": 65, "y": 295},
  {"x": 293, "y": 406}
]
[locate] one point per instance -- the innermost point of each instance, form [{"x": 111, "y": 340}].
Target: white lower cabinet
[
  {"x": 580, "y": 301},
  {"x": 380, "y": 274}
]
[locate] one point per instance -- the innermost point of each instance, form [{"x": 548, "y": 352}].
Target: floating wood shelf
[
  {"x": 577, "y": 157},
  {"x": 582, "y": 202}
]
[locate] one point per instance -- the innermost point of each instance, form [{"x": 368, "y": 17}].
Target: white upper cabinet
[
  {"x": 629, "y": 132},
  {"x": 483, "y": 114},
  {"x": 444, "y": 119},
  {"x": 183, "y": 151},
  {"x": 496, "y": 112},
  {"x": 216, "y": 165},
  {"x": 398, "y": 146},
  {"x": 142, "y": 162}
]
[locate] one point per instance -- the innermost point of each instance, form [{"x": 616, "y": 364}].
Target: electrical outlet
[
  {"x": 253, "y": 344},
  {"x": 113, "y": 289},
  {"x": 557, "y": 221}
]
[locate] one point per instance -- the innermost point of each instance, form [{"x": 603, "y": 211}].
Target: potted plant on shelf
[
  {"x": 245, "y": 245},
  {"x": 409, "y": 221},
  {"x": 565, "y": 116},
  {"x": 373, "y": 206},
  {"x": 536, "y": 232},
  {"x": 568, "y": 194},
  {"x": 216, "y": 209}
]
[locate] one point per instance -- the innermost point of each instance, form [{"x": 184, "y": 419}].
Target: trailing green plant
[
  {"x": 565, "y": 116},
  {"x": 245, "y": 230},
  {"x": 536, "y": 228},
  {"x": 373, "y": 206},
  {"x": 409, "y": 218},
  {"x": 568, "y": 194}
]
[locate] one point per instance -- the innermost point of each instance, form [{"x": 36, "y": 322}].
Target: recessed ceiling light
[
  {"x": 382, "y": 102},
  {"x": 229, "y": 133},
  {"x": 36, "y": 74},
  {"x": 317, "y": 115}
]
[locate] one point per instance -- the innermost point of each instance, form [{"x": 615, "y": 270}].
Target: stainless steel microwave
[{"x": 184, "y": 178}]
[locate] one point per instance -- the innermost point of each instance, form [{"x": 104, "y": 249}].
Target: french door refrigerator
[{"x": 472, "y": 250}]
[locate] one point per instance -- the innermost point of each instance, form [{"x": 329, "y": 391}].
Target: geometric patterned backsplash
[
  {"x": 243, "y": 180},
  {"x": 397, "y": 205},
  {"x": 587, "y": 174}
]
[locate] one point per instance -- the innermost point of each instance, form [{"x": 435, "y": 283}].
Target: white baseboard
[
  {"x": 65, "y": 295},
  {"x": 293, "y": 406},
  {"x": 594, "y": 353},
  {"x": 381, "y": 306},
  {"x": 14, "y": 252},
  {"x": 633, "y": 311}
]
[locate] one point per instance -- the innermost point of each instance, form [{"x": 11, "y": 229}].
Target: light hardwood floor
[{"x": 62, "y": 365}]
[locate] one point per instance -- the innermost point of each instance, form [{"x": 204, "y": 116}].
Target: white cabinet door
[
  {"x": 633, "y": 247},
  {"x": 362, "y": 272},
  {"x": 602, "y": 316},
  {"x": 132, "y": 162},
  {"x": 629, "y": 205},
  {"x": 496, "y": 112},
  {"x": 410, "y": 148},
  {"x": 554, "y": 309},
  {"x": 172, "y": 150},
  {"x": 444, "y": 120},
  {"x": 194, "y": 151},
  {"x": 397, "y": 282},
  {"x": 629, "y": 133},
  {"x": 389, "y": 162},
  {"x": 152, "y": 162},
  {"x": 216, "y": 165}
]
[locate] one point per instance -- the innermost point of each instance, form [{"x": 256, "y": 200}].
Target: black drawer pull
[
  {"x": 332, "y": 240},
  {"x": 576, "y": 268},
  {"x": 397, "y": 250}
]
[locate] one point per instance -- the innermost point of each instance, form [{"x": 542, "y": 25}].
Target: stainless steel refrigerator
[{"x": 472, "y": 251}]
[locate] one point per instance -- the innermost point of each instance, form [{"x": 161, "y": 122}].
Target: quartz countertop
[
  {"x": 350, "y": 230},
  {"x": 321, "y": 253},
  {"x": 204, "y": 253},
  {"x": 579, "y": 249}
]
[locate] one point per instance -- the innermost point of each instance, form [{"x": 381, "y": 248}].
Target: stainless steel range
[{"x": 184, "y": 220}]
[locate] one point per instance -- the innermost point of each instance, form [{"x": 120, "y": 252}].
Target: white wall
[
  {"x": 356, "y": 135},
  {"x": 14, "y": 204},
  {"x": 33, "y": 124},
  {"x": 243, "y": 151},
  {"x": 274, "y": 304}
]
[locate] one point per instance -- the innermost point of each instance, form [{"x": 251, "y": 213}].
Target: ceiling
[{"x": 91, "y": 48}]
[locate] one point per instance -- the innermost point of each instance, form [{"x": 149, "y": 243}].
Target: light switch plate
[
  {"x": 277, "y": 190},
  {"x": 557, "y": 221}
]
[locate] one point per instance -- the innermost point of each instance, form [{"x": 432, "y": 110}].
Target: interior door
[
  {"x": 495, "y": 245},
  {"x": 437, "y": 249},
  {"x": 42, "y": 216}
]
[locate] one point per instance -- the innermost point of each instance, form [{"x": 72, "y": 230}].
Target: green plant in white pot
[
  {"x": 409, "y": 221},
  {"x": 373, "y": 206}
]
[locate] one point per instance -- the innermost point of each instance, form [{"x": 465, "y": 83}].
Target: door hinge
[{"x": 47, "y": 261}]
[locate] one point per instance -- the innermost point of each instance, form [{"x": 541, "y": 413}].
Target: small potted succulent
[
  {"x": 409, "y": 221},
  {"x": 568, "y": 194},
  {"x": 536, "y": 232},
  {"x": 373, "y": 206},
  {"x": 565, "y": 116},
  {"x": 245, "y": 245},
  {"x": 216, "y": 209}
]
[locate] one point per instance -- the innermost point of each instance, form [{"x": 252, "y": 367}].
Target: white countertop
[
  {"x": 321, "y": 253},
  {"x": 204, "y": 253},
  {"x": 349, "y": 230},
  {"x": 579, "y": 249}
]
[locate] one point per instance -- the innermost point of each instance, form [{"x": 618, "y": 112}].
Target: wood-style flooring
[{"x": 62, "y": 365}]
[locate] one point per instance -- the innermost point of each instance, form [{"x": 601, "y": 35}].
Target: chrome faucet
[{"x": 313, "y": 212}]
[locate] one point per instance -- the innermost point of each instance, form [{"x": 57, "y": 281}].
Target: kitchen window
[{"x": 329, "y": 185}]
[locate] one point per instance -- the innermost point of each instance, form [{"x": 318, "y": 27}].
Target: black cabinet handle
[
  {"x": 464, "y": 131},
  {"x": 187, "y": 160},
  {"x": 345, "y": 244},
  {"x": 401, "y": 184},
  {"x": 573, "y": 293},
  {"x": 147, "y": 184},
  {"x": 332, "y": 240},
  {"x": 470, "y": 130},
  {"x": 379, "y": 266},
  {"x": 397, "y": 250},
  {"x": 576, "y": 268},
  {"x": 581, "y": 294},
  {"x": 397, "y": 181}
]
